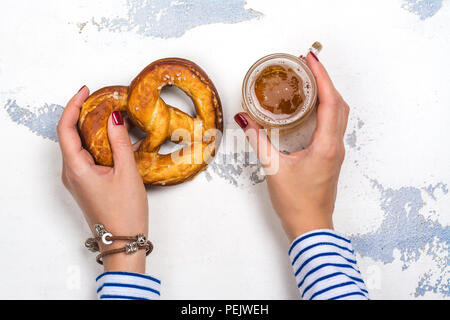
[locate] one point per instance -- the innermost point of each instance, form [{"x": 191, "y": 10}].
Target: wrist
[
  {"x": 122, "y": 261},
  {"x": 120, "y": 252},
  {"x": 297, "y": 227}
]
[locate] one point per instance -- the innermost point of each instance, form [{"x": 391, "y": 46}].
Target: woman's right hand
[
  {"x": 113, "y": 196},
  {"x": 303, "y": 189}
]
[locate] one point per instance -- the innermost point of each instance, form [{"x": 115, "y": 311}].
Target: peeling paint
[
  {"x": 405, "y": 229},
  {"x": 351, "y": 139},
  {"x": 360, "y": 124},
  {"x": 164, "y": 19},
  {"x": 42, "y": 122},
  {"x": 237, "y": 168},
  {"x": 423, "y": 8}
]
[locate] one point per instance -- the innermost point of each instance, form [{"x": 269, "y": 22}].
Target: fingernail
[
  {"x": 240, "y": 120},
  {"x": 117, "y": 118},
  {"x": 315, "y": 57},
  {"x": 81, "y": 89},
  {"x": 302, "y": 57}
]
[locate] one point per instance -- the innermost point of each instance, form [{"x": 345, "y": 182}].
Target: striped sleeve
[
  {"x": 127, "y": 286},
  {"x": 325, "y": 267}
]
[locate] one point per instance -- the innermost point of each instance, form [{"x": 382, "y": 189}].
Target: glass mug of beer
[{"x": 280, "y": 93}]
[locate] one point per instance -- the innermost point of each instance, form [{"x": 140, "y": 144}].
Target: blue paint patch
[
  {"x": 351, "y": 140},
  {"x": 431, "y": 189},
  {"x": 169, "y": 19},
  {"x": 405, "y": 229},
  {"x": 236, "y": 168},
  {"x": 43, "y": 122},
  {"x": 423, "y": 8}
]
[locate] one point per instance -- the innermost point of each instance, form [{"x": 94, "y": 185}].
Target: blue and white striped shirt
[
  {"x": 127, "y": 286},
  {"x": 324, "y": 267}
]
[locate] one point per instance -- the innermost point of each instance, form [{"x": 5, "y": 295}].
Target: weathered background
[{"x": 217, "y": 237}]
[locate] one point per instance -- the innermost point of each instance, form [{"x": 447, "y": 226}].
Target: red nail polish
[
  {"x": 81, "y": 89},
  {"x": 117, "y": 118},
  {"x": 241, "y": 121},
  {"x": 315, "y": 57}
]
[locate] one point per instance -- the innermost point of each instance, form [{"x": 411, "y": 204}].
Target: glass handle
[{"x": 316, "y": 48}]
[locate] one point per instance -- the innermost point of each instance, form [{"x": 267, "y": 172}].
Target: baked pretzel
[{"x": 145, "y": 108}]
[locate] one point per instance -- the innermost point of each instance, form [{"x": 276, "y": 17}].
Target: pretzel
[{"x": 145, "y": 108}]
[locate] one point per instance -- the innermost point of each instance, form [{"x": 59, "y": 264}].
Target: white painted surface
[{"x": 213, "y": 239}]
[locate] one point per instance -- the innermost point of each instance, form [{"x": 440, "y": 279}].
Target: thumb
[
  {"x": 325, "y": 86},
  {"x": 265, "y": 151},
  {"x": 120, "y": 142}
]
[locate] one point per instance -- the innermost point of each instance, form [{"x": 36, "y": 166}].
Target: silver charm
[
  {"x": 106, "y": 234},
  {"x": 141, "y": 240},
  {"x": 92, "y": 245},
  {"x": 131, "y": 247},
  {"x": 100, "y": 229}
]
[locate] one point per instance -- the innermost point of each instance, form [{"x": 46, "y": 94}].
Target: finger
[
  {"x": 259, "y": 141},
  {"x": 119, "y": 139},
  {"x": 345, "y": 120},
  {"x": 130, "y": 126},
  {"x": 330, "y": 109},
  {"x": 128, "y": 123},
  {"x": 68, "y": 136},
  {"x": 325, "y": 86},
  {"x": 137, "y": 144}
]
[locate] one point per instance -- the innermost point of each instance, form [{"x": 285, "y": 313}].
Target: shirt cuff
[
  {"x": 120, "y": 285},
  {"x": 325, "y": 267}
]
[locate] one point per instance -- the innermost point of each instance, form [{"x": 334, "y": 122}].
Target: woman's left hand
[{"x": 113, "y": 196}]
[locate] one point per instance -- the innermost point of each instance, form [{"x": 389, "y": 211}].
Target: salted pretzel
[{"x": 145, "y": 108}]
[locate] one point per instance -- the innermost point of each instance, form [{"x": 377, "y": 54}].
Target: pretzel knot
[{"x": 200, "y": 136}]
